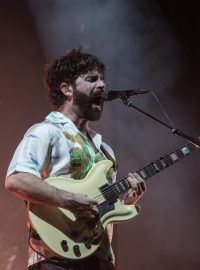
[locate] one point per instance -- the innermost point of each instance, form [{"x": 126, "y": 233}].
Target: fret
[
  {"x": 185, "y": 150},
  {"x": 145, "y": 171},
  {"x": 174, "y": 157},
  {"x": 121, "y": 186},
  {"x": 161, "y": 164},
  {"x": 156, "y": 167},
  {"x": 117, "y": 188},
  {"x": 150, "y": 170},
  {"x": 142, "y": 174},
  {"x": 179, "y": 154},
  {"x": 126, "y": 184},
  {"x": 153, "y": 168}
]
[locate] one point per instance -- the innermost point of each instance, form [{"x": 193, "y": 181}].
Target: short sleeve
[{"x": 32, "y": 153}]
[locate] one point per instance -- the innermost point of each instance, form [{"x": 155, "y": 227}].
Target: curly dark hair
[{"x": 67, "y": 69}]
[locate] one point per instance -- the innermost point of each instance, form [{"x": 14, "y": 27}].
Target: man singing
[{"x": 64, "y": 145}]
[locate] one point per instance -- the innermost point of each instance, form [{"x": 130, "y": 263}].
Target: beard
[{"x": 85, "y": 108}]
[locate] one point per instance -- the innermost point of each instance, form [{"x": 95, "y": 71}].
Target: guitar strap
[{"x": 108, "y": 155}]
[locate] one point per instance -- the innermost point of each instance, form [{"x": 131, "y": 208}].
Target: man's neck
[{"x": 81, "y": 124}]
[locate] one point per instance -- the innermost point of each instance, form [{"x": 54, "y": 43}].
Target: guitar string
[
  {"x": 112, "y": 188},
  {"x": 150, "y": 170}
]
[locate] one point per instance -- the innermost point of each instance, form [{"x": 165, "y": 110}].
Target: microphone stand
[{"x": 172, "y": 129}]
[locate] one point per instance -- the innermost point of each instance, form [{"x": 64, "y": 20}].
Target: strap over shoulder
[{"x": 108, "y": 155}]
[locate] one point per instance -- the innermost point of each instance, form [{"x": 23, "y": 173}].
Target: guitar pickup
[{"x": 108, "y": 194}]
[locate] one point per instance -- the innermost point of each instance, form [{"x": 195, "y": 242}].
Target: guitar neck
[
  {"x": 153, "y": 168},
  {"x": 166, "y": 161}
]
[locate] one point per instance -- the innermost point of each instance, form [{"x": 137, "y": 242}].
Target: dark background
[{"x": 146, "y": 44}]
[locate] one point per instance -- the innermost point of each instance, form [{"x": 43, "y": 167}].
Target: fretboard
[
  {"x": 153, "y": 168},
  {"x": 166, "y": 161}
]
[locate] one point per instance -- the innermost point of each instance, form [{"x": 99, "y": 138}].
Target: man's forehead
[{"x": 92, "y": 73}]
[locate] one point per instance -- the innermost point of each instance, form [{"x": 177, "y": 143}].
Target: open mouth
[{"x": 97, "y": 102}]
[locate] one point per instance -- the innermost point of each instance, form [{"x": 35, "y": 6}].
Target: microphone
[{"x": 113, "y": 94}]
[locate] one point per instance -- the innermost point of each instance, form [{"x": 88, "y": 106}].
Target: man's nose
[{"x": 101, "y": 84}]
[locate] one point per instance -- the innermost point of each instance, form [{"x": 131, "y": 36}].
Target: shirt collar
[{"x": 56, "y": 117}]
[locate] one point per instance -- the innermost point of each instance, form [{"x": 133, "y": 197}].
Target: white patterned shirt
[{"x": 56, "y": 147}]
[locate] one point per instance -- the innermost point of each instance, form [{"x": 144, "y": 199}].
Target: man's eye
[{"x": 92, "y": 79}]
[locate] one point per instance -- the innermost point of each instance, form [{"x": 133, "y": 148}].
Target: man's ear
[{"x": 66, "y": 89}]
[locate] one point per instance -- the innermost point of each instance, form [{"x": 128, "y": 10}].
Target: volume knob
[
  {"x": 76, "y": 250},
  {"x": 64, "y": 245}
]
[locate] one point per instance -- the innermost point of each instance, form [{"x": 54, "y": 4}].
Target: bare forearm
[{"x": 30, "y": 188}]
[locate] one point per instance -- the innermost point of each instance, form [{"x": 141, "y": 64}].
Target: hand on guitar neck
[{"x": 138, "y": 187}]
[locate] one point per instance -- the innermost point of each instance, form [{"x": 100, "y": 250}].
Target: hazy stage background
[{"x": 145, "y": 44}]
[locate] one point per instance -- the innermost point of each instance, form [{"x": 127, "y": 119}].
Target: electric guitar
[{"x": 72, "y": 238}]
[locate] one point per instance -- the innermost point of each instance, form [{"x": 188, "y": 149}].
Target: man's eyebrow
[
  {"x": 91, "y": 75},
  {"x": 86, "y": 76},
  {"x": 94, "y": 76}
]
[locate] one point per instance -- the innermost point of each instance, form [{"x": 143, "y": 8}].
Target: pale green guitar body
[{"x": 65, "y": 235}]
